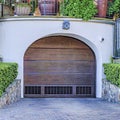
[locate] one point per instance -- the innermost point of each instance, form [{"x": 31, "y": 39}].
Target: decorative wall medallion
[{"x": 66, "y": 25}]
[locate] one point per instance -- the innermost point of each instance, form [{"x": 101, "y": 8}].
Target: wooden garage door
[{"x": 59, "y": 67}]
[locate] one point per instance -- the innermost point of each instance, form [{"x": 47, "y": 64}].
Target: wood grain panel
[
  {"x": 59, "y": 54},
  {"x": 59, "y": 42},
  {"x": 59, "y": 66},
  {"x": 59, "y": 61},
  {"x": 59, "y": 78}
]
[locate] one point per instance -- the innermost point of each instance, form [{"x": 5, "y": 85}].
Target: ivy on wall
[
  {"x": 8, "y": 72},
  {"x": 112, "y": 72}
]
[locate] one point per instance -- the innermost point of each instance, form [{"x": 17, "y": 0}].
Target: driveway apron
[{"x": 61, "y": 109}]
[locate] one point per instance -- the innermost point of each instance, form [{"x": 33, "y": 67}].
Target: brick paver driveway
[{"x": 61, "y": 109}]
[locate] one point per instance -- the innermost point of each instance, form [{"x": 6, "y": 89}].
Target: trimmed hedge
[
  {"x": 112, "y": 72},
  {"x": 8, "y": 72}
]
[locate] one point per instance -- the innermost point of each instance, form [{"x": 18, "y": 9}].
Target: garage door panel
[
  {"x": 57, "y": 78},
  {"x": 59, "y": 54},
  {"x": 59, "y": 66},
  {"x": 59, "y": 42}
]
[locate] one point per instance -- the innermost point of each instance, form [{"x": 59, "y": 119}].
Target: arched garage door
[{"x": 59, "y": 67}]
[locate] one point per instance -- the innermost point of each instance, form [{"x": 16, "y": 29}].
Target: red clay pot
[
  {"x": 102, "y": 8},
  {"x": 48, "y": 7}
]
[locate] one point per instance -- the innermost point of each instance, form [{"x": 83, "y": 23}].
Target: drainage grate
[
  {"x": 85, "y": 90},
  {"x": 32, "y": 89},
  {"x": 58, "y": 90}
]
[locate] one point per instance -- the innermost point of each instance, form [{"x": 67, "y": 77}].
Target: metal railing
[
  {"x": 31, "y": 7},
  {"x": 27, "y": 7},
  {"x": 1, "y": 9},
  {"x": 116, "y": 46}
]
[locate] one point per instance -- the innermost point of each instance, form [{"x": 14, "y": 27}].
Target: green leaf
[
  {"x": 85, "y": 9},
  {"x": 112, "y": 72},
  {"x": 8, "y": 72}
]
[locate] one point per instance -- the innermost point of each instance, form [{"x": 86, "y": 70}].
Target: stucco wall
[{"x": 17, "y": 34}]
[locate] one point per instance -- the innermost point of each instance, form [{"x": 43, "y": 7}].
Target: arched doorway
[{"x": 59, "y": 66}]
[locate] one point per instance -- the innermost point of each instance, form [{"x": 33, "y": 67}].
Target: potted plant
[
  {"x": 85, "y": 9},
  {"x": 33, "y": 4},
  {"x": 114, "y": 9},
  {"x": 5, "y": 9},
  {"x": 48, "y": 7},
  {"x": 22, "y": 8},
  {"x": 102, "y": 8}
]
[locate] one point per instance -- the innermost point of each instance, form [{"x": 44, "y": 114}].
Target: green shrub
[
  {"x": 8, "y": 72},
  {"x": 1, "y": 1},
  {"x": 85, "y": 9},
  {"x": 112, "y": 72},
  {"x": 114, "y": 7}
]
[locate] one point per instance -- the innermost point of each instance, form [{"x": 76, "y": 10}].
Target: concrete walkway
[{"x": 61, "y": 109}]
